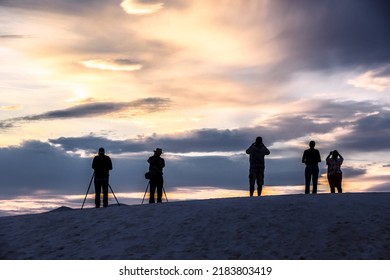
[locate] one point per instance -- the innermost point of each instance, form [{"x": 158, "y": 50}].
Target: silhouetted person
[
  {"x": 256, "y": 153},
  {"x": 335, "y": 176},
  {"x": 311, "y": 158},
  {"x": 156, "y": 165},
  {"x": 102, "y": 165}
]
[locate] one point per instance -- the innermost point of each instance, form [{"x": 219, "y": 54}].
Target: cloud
[
  {"x": 5, "y": 125},
  {"x": 353, "y": 127},
  {"x": 212, "y": 54},
  {"x": 112, "y": 65},
  {"x": 378, "y": 79},
  {"x": 206, "y": 157},
  {"x": 139, "y": 7},
  {"x": 152, "y": 104},
  {"x": 369, "y": 134},
  {"x": 91, "y": 143},
  {"x": 342, "y": 33},
  {"x": 383, "y": 71},
  {"x": 302, "y": 42},
  {"x": 359, "y": 122},
  {"x": 14, "y": 36},
  {"x": 353, "y": 172},
  {"x": 203, "y": 140},
  {"x": 35, "y": 166},
  {"x": 10, "y": 107},
  {"x": 384, "y": 187},
  {"x": 56, "y": 6}
]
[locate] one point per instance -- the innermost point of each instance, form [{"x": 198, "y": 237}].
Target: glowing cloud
[
  {"x": 371, "y": 80},
  {"x": 112, "y": 65},
  {"x": 135, "y": 7},
  {"x": 10, "y": 107}
]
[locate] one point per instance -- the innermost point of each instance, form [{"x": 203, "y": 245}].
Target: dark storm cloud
[
  {"x": 94, "y": 109},
  {"x": 369, "y": 134},
  {"x": 334, "y": 33},
  {"x": 36, "y": 166}
]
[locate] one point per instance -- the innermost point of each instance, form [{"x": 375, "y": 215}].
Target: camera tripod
[
  {"x": 147, "y": 191},
  {"x": 89, "y": 186}
]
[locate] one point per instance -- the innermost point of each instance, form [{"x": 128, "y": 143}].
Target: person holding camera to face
[
  {"x": 335, "y": 176},
  {"x": 256, "y": 153}
]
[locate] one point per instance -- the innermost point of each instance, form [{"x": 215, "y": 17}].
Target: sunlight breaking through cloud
[
  {"x": 111, "y": 65},
  {"x": 135, "y": 7}
]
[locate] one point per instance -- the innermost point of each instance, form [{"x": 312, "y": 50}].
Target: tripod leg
[
  {"x": 145, "y": 193},
  {"x": 89, "y": 186},
  {"x": 165, "y": 194},
  {"x": 114, "y": 195}
]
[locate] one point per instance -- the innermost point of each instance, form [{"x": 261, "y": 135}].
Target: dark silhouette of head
[
  {"x": 158, "y": 152},
  {"x": 259, "y": 141},
  {"x": 101, "y": 151},
  {"x": 335, "y": 154},
  {"x": 312, "y": 144}
]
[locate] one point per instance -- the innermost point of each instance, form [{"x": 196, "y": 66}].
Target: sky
[{"x": 199, "y": 79}]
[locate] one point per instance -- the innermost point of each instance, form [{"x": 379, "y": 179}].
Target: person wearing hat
[
  {"x": 156, "y": 165},
  {"x": 102, "y": 165}
]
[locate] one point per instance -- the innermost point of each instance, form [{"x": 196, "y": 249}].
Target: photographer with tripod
[
  {"x": 156, "y": 165},
  {"x": 102, "y": 165}
]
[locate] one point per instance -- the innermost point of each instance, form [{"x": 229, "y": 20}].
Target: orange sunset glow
[{"x": 199, "y": 79}]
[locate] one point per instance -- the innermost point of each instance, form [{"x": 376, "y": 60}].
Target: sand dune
[{"x": 324, "y": 226}]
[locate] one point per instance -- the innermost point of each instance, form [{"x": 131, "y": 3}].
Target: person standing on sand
[
  {"x": 156, "y": 165},
  {"x": 311, "y": 158},
  {"x": 256, "y": 153},
  {"x": 335, "y": 176},
  {"x": 102, "y": 165}
]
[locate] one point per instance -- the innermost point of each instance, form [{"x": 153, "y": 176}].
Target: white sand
[{"x": 323, "y": 226}]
